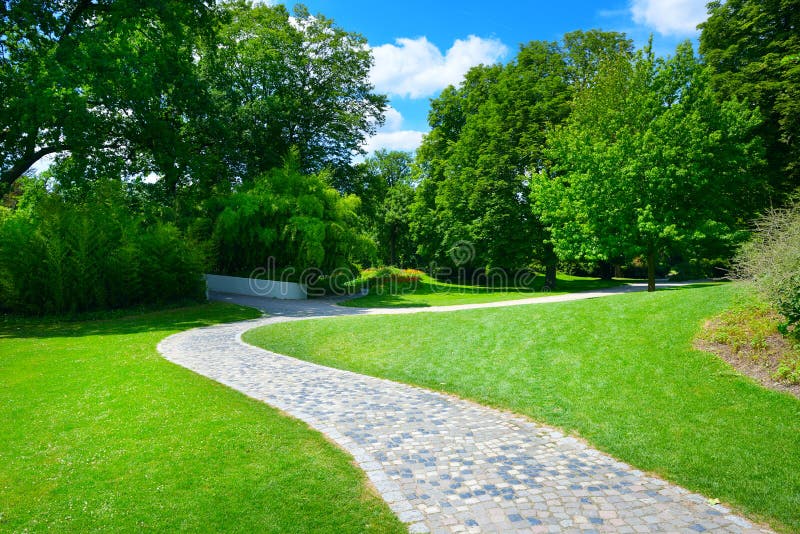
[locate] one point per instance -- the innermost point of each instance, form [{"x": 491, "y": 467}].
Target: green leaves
[
  {"x": 647, "y": 157},
  {"x": 287, "y": 220}
]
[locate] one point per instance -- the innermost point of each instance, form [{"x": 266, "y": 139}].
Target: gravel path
[{"x": 441, "y": 463}]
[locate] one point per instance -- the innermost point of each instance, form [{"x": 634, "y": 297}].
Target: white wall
[{"x": 255, "y": 287}]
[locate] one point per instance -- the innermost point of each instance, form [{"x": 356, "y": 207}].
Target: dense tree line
[{"x": 232, "y": 127}]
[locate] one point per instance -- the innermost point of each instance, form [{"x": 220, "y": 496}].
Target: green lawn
[
  {"x": 100, "y": 433},
  {"x": 430, "y": 292},
  {"x": 619, "y": 371}
]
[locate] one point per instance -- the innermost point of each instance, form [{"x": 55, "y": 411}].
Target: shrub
[
  {"x": 286, "y": 219},
  {"x": 65, "y": 257},
  {"x": 771, "y": 260}
]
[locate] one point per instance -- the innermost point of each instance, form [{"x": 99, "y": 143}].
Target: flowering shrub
[{"x": 390, "y": 275}]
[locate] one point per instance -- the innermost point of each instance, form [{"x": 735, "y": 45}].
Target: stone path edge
[{"x": 374, "y": 471}]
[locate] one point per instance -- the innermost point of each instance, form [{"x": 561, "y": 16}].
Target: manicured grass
[
  {"x": 619, "y": 371},
  {"x": 99, "y": 433},
  {"x": 431, "y": 292}
]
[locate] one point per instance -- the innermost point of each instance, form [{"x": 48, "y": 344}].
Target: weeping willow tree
[{"x": 290, "y": 221}]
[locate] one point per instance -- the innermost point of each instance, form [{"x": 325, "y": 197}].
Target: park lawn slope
[
  {"x": 101, "y": 433},
  {"x": 618, "y": 371},
  {"x": 431, "y": 292}
]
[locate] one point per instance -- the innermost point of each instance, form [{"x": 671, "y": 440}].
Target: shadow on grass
[{"x": 121, "y": 322}]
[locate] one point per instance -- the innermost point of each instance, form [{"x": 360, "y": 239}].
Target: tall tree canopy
[
  {"x": 488, "y": 138},
  {"x": 754, "y": 49},
  {"x": 281, "y": 81},
  {"x": 104, "y": 80},
  {"x": 649, "y": 160}
]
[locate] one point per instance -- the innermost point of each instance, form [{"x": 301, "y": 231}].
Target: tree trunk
[
  {"x": 393, "y": 248},
  {"x": 651, "y": 269},
  {"x": 550, "y": 275},
  {"x": 617, "y": 270},
  {"x": 9, "y": 176}
]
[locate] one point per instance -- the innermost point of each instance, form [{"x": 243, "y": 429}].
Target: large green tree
[
  {"x": 487, "y": 140},
  {"x": 102, "y": 80},
  {"x": 648, "y": 161},
  {"x": 282, "y": 81},
  {"x": 754, "y": 48}
]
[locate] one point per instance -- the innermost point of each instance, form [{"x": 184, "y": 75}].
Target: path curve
[{"x": 445, "y": 464}]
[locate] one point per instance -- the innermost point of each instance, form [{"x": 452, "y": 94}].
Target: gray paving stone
[{"x": 446, "y": 464}]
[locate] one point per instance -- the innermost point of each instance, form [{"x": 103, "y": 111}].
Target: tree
[
  {"x": 649, "y": 160},
  {"x": 290, "y": 220},
  {"x": 386, "y": 191},
  {"x": 282, "y": 81},
  {"x": 754, "y": 48},
  {"x": 488, "y": 139},
  {"x": 102, "y": 80}
]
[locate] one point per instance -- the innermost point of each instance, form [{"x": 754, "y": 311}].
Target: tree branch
[{"x": 11, "y": 175}]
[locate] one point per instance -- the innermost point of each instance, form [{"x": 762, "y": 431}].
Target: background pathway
[{"x": 445, "y": 464}]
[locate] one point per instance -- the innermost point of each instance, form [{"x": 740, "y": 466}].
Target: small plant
[{"x": 771, "y": 261}]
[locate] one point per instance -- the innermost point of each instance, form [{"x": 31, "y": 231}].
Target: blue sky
[{"x": 420, "y": 47}]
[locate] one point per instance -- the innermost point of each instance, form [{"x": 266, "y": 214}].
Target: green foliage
[
  {"x": 487, "y": 139},
  {"x": 62, "y": 257},
  {"x": 771, "y": 260},
  {"x": 285, "y": 220},
  {"x": 649, "y": 162},
  {"x": 110, "y": 82},
  {"x": 752, "y": 46},
  {"x": 386, "y": 190},
  {"x": 280, "y": 81}
]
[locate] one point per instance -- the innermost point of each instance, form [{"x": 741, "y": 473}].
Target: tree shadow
[{"x": 123, "y": 322}]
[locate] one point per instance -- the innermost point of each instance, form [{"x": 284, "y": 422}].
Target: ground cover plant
[
  {"x": 748, "y": 337},
  {"x": 101, "y": 433},
  {"x": 618, "y": 371},
  {"x": 399, "y": 288}
]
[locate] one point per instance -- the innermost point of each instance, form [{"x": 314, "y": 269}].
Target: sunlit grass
[
  {"x": 100, "y": 433},
  {"x": 431, "y": 292},
  {"x": 619, "y": 371}
]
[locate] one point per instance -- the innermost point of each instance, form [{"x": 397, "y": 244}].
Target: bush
[
  {"x": 65, "y": 257},
  {"x": 287, "y": 220},
  {"x": 771, "y": 261}
]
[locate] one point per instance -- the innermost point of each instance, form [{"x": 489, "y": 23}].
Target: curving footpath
[{"x": 444, "y": 464}]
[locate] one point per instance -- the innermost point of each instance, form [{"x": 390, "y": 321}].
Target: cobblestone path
[{"x": 441, "y": 463}]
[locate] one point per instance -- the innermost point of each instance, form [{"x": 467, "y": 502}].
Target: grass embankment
[
  {"x": 101, "y": 433},
  {"x": 748, "y": 337},
  {"x": 619, "y": 371},
  {"x": 431, "y": 292}
]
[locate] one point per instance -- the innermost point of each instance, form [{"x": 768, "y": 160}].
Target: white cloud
[
  {"x": 670, "y": 17},
  {"x": 416, "y": 68},
  {"x": 391, "y": 135}
]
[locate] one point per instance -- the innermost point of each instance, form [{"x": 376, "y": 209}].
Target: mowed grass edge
[
  {"x": 430, "y": 292},
  {"x": 101, "y": 433},
  {"x": 619, "y": 371}
]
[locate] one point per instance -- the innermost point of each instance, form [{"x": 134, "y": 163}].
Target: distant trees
[
  {"x": 385, "y": 187},
  {"x": 290, "y": 220},
  {"x": 279, "y": 81},
  {"x": 649, "y": 161},
  {"x": 66, "y": 255}
]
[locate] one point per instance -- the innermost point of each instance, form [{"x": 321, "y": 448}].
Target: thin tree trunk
[
  {"x": 550, "y": 264},
  {"x": 651, "y": 269},
  {"x": 550, "y": 275}
]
